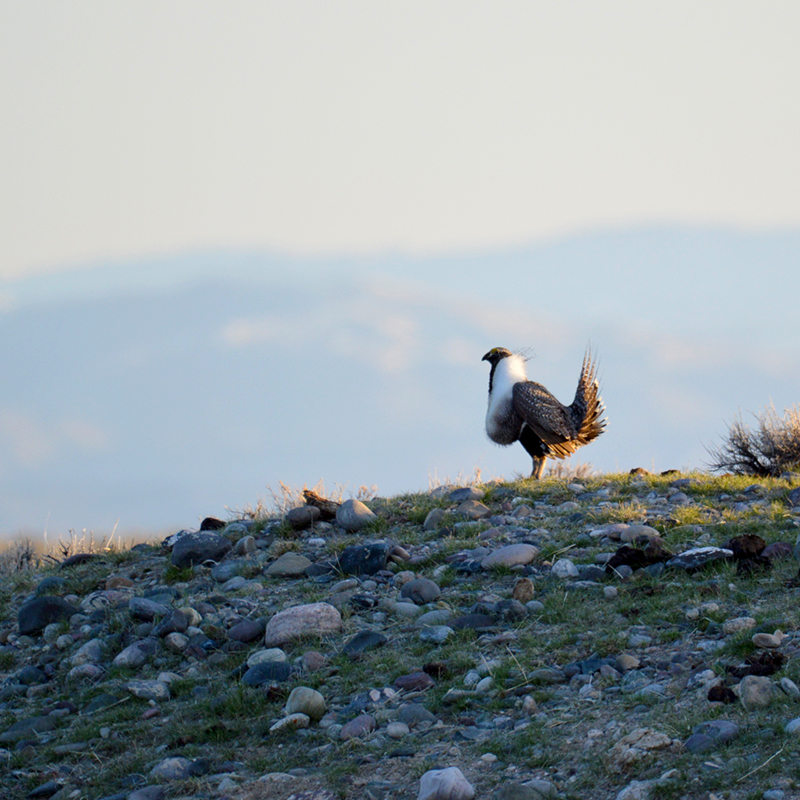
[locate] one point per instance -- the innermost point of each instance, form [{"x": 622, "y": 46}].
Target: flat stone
[
  {"x": 176, "y": 768},
  {"x": 420, "y": 591},
  {"x": 466, "y": 493},
  {"x": 362, "y": 725},
  {"x": 36, "y": 614},
  {"x": 472, "y": 509},
  {"x": 248, "y": 630},
  {"x": 414, "y": 715},
  {"x": 148, "y": 690},
  {"x": 511, "y": 555},
  {"x": 353, "y": 515},
  {"x": 699, "y": 557},
  {"x": 445, "y": 784},
  {"x": 142, "y": 608},
  {"x": 477, "y": 622},
  {"x": 312, "y": 619},
  {"x": 195, "y": 548},
  {"x": 268, "y": 672},
  {"x": 288, "y": 565},
  {"x": 28, "y": 728},
  {"x": 363, "y": 641},
  {"x": 435, "y": 634}
]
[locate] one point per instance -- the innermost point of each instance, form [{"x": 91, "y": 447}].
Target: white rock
[
  {"x": 291, "y": 722},
  {"x": 564, "y": 568},
  {"x": 311, "y": 619},
  {"x": 445, "y": 784}
]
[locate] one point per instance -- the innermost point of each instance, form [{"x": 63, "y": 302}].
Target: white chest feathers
[{"x": 509, "y": 371}]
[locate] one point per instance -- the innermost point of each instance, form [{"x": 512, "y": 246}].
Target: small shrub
[{"x": 766, "y": 451}]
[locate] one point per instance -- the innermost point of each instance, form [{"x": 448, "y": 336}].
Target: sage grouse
[{"x": 524, "y": 411}]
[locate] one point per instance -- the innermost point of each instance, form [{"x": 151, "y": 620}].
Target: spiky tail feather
[{"x": 587, "y": 408}]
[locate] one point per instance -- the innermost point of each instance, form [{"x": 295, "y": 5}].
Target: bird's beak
[{"x": 486, "y": 357}]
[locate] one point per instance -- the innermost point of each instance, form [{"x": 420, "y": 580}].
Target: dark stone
[
  {"x": 420, "y": 591},
  {"x": 591, "y": 572},
  {"x": 794, "y": 497},
  {"x": 363, "y": 641},
  {"x": 175, "y": 622},
  {"x": 510, "y": 610},
  {"x": 146, "y": 610},
  {"x": 46, "y": 789},
  {"x": 270, "y": 672},
  {"x": 414, "y": 682},
  {"x": 51, "y": 585},
  {"x": 477, "y": 622},
  {"x": 36, "y": 614},
  {"x": 147, "y": 793},
  {"x": 196, "y": 548},
  {"x": 637, "y": 558},
  {"x": 414, "y": 714},
  {"x": 720, "y": 730},
  {"x": 303, "y": 517},
  {"x": 30, "y": 676},
  {"x": 78, "y": 558},
  {"x": 27, "y": 728},
  {"x": 363, "y": 559},
  {"x": 777, "y": 550},
  {"x": 248, "y": 630},
  {"x": 100, "y": 702},
  {"x": 699, "y": 743},
  {"x": 212, "y": 524}
]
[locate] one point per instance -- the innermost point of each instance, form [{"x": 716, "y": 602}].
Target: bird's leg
[{"x": 538, "y": 467}]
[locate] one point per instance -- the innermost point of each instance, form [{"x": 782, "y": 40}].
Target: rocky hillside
[{"x": 617, "y": 636}]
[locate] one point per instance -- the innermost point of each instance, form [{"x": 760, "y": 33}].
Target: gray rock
[
  {"x": 466, "y": 493},
  {"x": 793, "y": 727},
  {"x": 303, "y": 517},
  {"x": 28, "y": 728},
  {"x": 472, "y": 509},
  {"x": 248, "y": 630},
  {"x": 268, "y": 672},
  {"x": 245, "y": 546},
  {"x": 146, "y": 610},
  {"x": 147, "y": 793},
  {"x": 564, "y": 568},
  {"x": 312, "y": 619},
  {"x": 222, "y": 573},
  {"x": 434, "y": 519},
  {"x": 90, "y": 652},
  {"x": 420, "y": 591},
  {"x": 196, "y": 548},
  {"x": 445, "y": 784},
  {"x": 36, "y": 614},
  {"x": 133, "y": 656},
  {"x": 353, "y": 515},
  {"x": 415, "y": 715},
  {"x": 288, "y": 565},
  {"x": 511, "y": 555},
  {"x": 175, "y": 622},
  {"x": 175, "y": 768},
  {"x": 148, "y": 690},
  {"x": 51, "y": 585},
  {"x": 360, "y": 726},
  {"x": 435, "y": 634},
  {"x": 756, "y": 691},
  {"x": 531, "y": 790}
]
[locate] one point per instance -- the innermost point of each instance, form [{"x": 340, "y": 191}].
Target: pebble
[
  {"x": 511, "y": 555},
  {"x": 756, "y": 691},
  {"x": 362, "y": 725},
  {"x": 288, "y": 565},
  {"x": 420, "y": 591}
]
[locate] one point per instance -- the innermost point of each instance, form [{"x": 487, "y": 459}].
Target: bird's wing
[{"x": 545, "y": 415}]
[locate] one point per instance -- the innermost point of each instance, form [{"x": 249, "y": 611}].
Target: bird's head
[{"x": 496, "y": 354}]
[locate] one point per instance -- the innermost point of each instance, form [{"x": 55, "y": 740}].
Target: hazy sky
[{"x": 141, "y": 128}]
